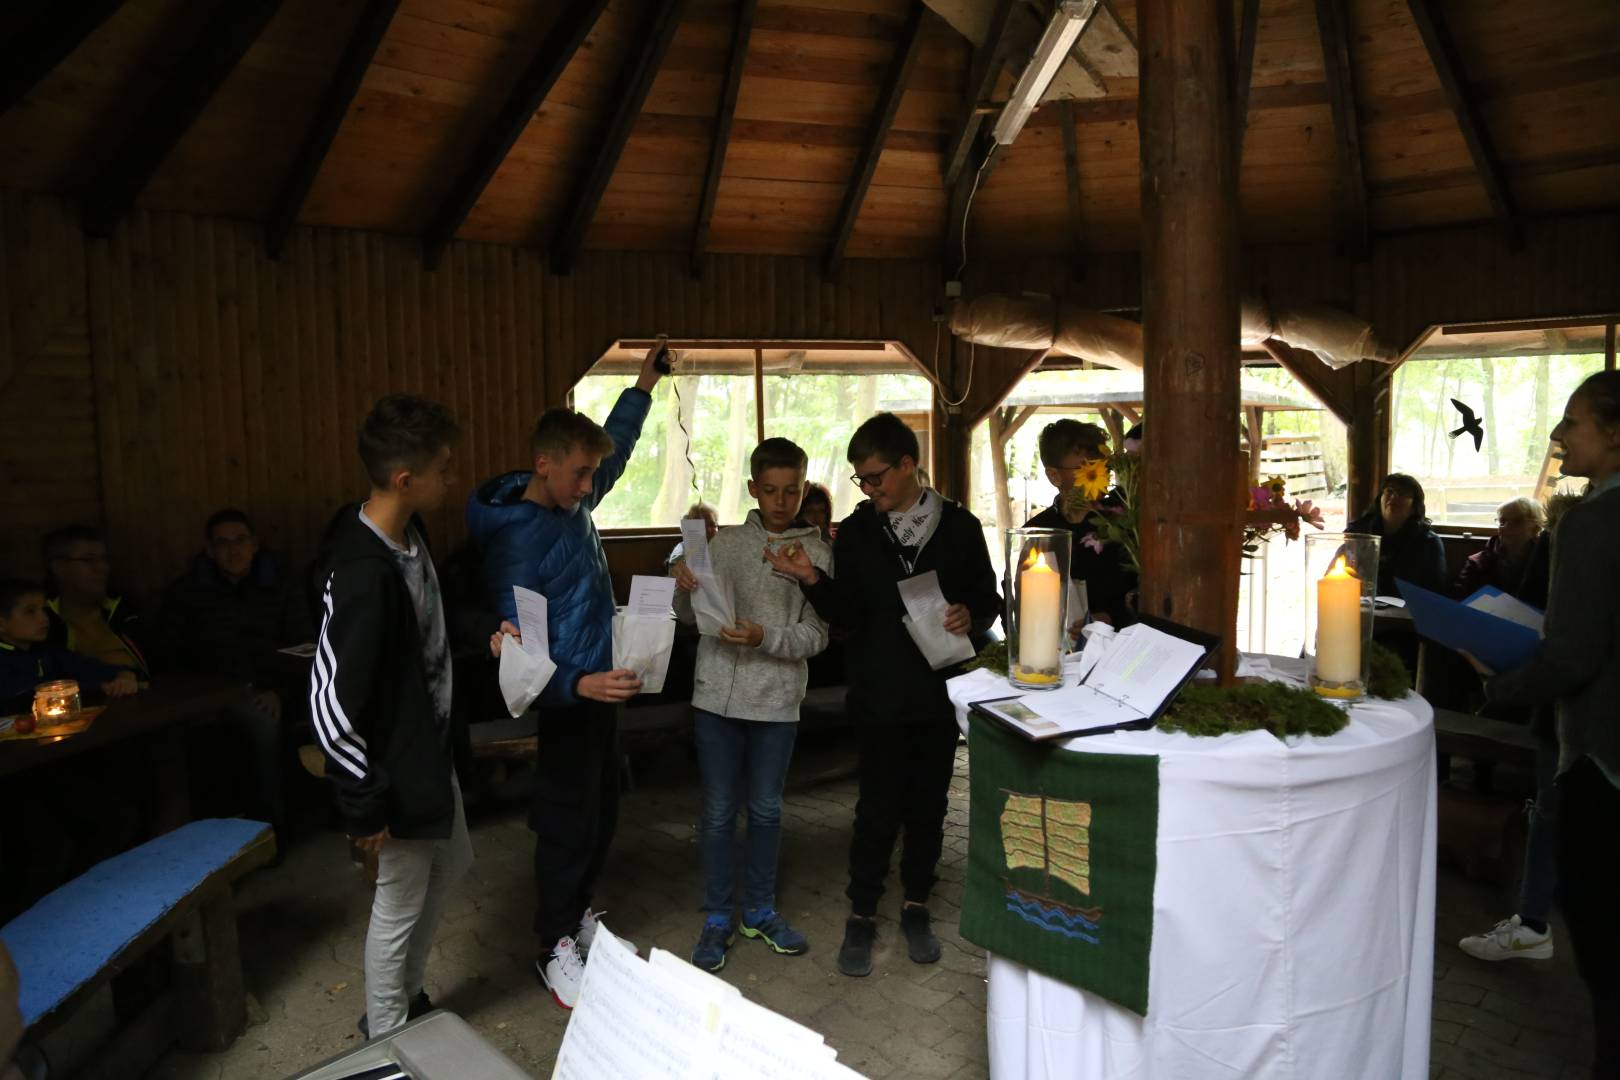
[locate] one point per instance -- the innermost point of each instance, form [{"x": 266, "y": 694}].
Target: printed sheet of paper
[
  {"x": 1143, "y": 667},
  {"x": 923, "y": 597},
  {"x": 651, "y": 596},
  {"x": 531, "y": 616},
  {"x": 939, "y": 646},
  {"x": 695, "y": 545},
  {"x": 1503, "y": 606}
]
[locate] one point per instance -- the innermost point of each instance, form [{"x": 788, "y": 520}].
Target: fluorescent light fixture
[{"x": 1069, "y": 21}]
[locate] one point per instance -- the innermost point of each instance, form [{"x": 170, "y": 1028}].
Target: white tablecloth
[{"x": 1293, "y": 913}]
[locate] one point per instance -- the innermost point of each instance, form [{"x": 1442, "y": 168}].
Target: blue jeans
[
  {"x": 1541, "y": 847},
  {"x": 741, "y": 759}
]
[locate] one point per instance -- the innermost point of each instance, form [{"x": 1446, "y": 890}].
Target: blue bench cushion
[{"x": 67, "y": 938}]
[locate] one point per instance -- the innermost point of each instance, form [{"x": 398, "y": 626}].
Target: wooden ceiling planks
[{"x": 1546, "y": 83}]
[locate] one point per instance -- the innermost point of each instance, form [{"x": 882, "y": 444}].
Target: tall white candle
[
  {"x": 1040, "y": 627},
  {"x": 1338, "y": 625}
]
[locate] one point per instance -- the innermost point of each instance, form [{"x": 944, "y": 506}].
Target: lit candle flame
[{"x": 1339, "y": 569}]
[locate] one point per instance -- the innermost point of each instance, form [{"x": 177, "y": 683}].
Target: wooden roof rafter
[
  {"x": 1350, "y": 181},
  {"x": 38, "y": 42},
  {"x": 569, "y": 237},
  {"x": 323, "y": 126},
  {"x": 196, "y": 77},
  {"x": 1248, "y": 33},
  {"x": 1442, "y": 49},
  {"x": 722, "y": 130},
  {"x": 894, "y": 88},
  {"x": 528, "y": 94},
  {"x": 988, "y": 60}
]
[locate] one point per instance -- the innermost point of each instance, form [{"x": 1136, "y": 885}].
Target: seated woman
[
  {"x": 1515, "y": 559},
  {"x": 1411, "y": 549}
]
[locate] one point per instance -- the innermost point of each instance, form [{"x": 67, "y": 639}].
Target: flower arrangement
[
  {"x": 1269, "y": 513},
  {"x": 1114, "y": 519}
]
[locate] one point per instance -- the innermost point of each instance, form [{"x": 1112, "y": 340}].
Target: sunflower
[
  {"x": 1278, "y": 488},
  {"x": 1091, "y": 480}
]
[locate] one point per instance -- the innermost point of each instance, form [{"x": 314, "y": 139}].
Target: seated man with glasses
[
  {"x": 903, "y": 717},
  {"x": 84, "y": 617}
]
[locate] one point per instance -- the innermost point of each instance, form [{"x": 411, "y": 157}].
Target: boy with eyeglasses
[{"x": 902, "y": 715}]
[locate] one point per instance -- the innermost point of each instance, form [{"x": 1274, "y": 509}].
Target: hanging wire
[{"x": 680, "y": 422}]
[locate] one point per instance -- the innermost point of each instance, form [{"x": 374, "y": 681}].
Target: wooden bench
[
  {"x": 176, "y": 888},
  {"x": 1481, "y": 739}
]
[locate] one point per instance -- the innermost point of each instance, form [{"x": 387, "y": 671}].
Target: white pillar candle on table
[
  {"x": 1338, "y": 625},
  {"x": 1040, "y": 628}
]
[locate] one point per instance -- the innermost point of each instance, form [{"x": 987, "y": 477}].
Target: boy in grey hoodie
[{"x": 750, "y": 681}]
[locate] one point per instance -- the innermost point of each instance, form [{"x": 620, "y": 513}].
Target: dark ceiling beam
[
  {"x": 636, "y": 82},
  {"x": 35, "y": 43},
  {"x": 1071, "y": 174},
  {"x": 197, "y": 76},
  {"x": 1248, "y": 33},
  {"x": 323, "y": 126},
  {"x": 988, "y": 59},
  {"x": 722, "y": 130},
  {"x": 565, "y": 39},
  {"x": 1351, "y": 182},
  {"x": 894, "y": 88},
  {"x": 1447, "y": 63}
]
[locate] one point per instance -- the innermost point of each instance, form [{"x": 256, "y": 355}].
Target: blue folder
[{"x": 1500, "y": 644}]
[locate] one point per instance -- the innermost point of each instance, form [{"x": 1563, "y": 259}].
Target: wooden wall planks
[{"x": 172, "y": 369}]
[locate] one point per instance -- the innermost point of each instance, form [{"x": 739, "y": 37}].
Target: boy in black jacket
[
  {"x": 379, "y": 697},
  {"x": 902, "y": 715}
]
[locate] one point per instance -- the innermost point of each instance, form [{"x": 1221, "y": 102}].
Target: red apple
[{"x": 24, "y": 724}]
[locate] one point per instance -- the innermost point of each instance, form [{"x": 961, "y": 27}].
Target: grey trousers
[{"x": 413, "y": 883}]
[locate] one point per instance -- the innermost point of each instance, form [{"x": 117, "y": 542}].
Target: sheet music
[
  {"x": 531, "y": 619},
  {"x": 1143, "y": 667},
  {"x": 651, "y": 596},
  {"x": 695, "y": 544},
  {"x": 634, "y": 1021}
]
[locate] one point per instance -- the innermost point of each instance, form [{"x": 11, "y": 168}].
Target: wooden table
[{"x": 170, "y": 701}]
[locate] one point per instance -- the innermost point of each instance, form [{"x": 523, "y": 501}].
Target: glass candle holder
[
  {"x": 55, "y": 703},
  {"x": 1341, "y": 581},
  {"x": 1037, "y": 606}
]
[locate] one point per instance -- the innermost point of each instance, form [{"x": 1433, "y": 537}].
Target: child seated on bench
[{"x": 26, "y": 660}]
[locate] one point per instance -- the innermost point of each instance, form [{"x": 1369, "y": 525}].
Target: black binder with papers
[{"x": 1126, "y": 685}]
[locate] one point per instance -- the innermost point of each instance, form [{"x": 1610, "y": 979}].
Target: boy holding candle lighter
[
  {"x": 897, "y": 702},
  {"x": 750, "y": 680}
]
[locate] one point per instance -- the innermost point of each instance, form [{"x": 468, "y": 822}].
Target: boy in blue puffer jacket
[{"x": 534, "y": 529}]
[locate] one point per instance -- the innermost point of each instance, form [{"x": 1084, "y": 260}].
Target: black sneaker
[
  {"x": 855, "y": 954},
  {"x": 420, "y": 1005},
  {"x": 921, "y": 944}
]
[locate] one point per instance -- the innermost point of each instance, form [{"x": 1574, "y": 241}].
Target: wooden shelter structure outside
[{"x": 226, "y": 227}]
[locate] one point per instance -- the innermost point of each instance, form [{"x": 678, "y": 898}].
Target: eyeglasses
[{"x": 866, "y": 480}]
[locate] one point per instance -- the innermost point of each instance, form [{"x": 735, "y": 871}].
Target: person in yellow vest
[{"x": 84, "y": 618}]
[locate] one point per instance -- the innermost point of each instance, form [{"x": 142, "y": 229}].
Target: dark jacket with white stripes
[{"x": 389, "y": 753}]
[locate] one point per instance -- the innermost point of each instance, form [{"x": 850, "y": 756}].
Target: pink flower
[
  {"x": 1309, "y": 513},
  {"x": 1090, "y": 541}
]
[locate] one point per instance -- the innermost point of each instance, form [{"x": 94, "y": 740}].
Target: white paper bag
[
  {"x": 712, "y": 605},
  {"x": 642, "y": 644},
  {"x": 939, "y": 646},
  {"x": 523, "y": 675}
]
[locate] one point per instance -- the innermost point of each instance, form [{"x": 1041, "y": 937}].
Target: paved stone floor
[{"x": 303, "y": 924}]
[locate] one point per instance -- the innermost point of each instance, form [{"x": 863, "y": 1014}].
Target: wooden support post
[
  {"x": 323, "y": 127},
  {"x": 1191, "y": 506},
  {"x": 1313, "y": 375},
  {"x": 1608, "y": 347},
  {"x": 1254, "y": 422},
  {"x": 894, "y": 88},
  {"x": 722, "y": 130},
  {"x": 759, "y": 393},
  {"x": 1248, "y": 33},
  {"x": 186, "y": 92},
  {"x": 1350, "y": 181},
  {"x": 211, "y": 1002}
]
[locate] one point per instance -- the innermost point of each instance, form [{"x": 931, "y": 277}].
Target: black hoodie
[{"x": 389, "y": 752}]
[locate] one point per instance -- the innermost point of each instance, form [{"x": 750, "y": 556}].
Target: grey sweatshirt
[{"x": 768, "y": 682}]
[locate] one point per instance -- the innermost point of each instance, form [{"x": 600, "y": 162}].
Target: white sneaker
[
  {"x": 562, "y": 972},
  {"x": 1509, "y": 940},
  {"x": 585, "y": 936}
]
